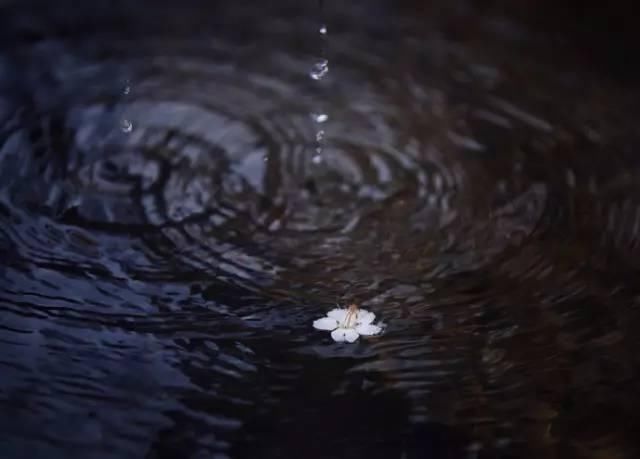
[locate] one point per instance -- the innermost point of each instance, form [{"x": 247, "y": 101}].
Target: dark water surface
[{"x": 166, "y": 240}]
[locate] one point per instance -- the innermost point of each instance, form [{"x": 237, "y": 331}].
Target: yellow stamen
[{"x": 351, "y": 314}]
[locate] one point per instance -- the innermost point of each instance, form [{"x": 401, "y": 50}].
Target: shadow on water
[{"x": 167, "y": 241}]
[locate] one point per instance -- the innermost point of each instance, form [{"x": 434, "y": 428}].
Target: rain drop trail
[
  {"x": 126, "y": 125},
  {"x": 319, "y": 70}
]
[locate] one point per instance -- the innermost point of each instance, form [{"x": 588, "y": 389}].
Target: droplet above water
[
  {"x": 126, "y": 126},
  {"x": 319, "y": 69},
  {"x": 320, "y": 117}
]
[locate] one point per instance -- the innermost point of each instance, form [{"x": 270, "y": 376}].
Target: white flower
[{"x": 348, "y": 324}]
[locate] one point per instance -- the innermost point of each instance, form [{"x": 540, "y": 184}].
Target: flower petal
[
  {"x": 365, "y": 317},
  {"x": 338, "y": 314},
  {"x": 368, "y": 329},
  {"x": 350, "y": 335},
  {"x": 338, "y": 335},
  {"x": 344, "y": 334},
  {"x": 326, "y": 323}
]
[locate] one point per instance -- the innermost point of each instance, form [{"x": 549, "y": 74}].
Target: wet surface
[{"x": 167, "y": 241}]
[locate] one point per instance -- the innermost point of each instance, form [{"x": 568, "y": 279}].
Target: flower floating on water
[{"x": 348, "y": 324}]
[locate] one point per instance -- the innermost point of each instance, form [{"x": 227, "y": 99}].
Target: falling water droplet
[
  {"x": 319, "y": 136},
  {"x": 320, "y": 117},
  {"x": 126, "y": 126},
  {"x": 317, "y": 158},
  {"x": 323, "y": 29},
  {"x": 319, "y": 69}
]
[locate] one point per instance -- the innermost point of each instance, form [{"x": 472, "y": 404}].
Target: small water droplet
[
  {"x": 126, "y": 90},
  {"x": 323, "y": 29},
  {"x": 319, "y": 136},
  {"x": 126, "y": 126},
  {"x": 317, "y": 158},
  {"x": 319, "y": 69},
  {"x": 320, "y": 117}
]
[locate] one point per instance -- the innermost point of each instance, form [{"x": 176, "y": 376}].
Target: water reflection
[{"x": 159, "y": 282}]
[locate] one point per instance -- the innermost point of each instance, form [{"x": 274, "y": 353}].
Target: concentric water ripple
[{"x": 167, "y": 239}]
